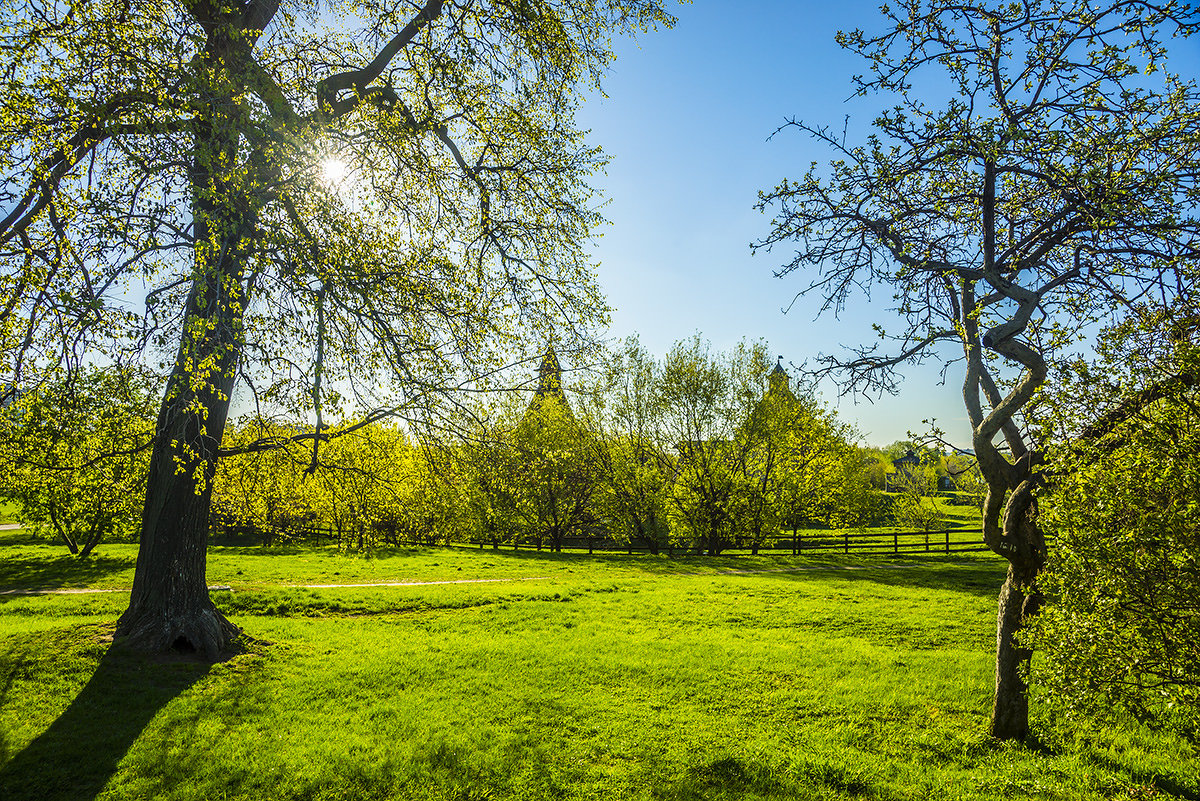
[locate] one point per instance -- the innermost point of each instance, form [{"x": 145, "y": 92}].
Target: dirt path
[{"x": 227, "y": 588}]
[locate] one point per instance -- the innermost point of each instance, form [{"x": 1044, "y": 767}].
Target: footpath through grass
[{"x": 602, "y": 678}]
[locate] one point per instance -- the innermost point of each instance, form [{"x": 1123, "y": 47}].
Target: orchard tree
[
  {"x": 1055, "y": 186},
  {"x": 705, "y": 400},
  {"x": 430, "y": 497},
  {"x": 361, "y": 476},
  {"x": 631, "y": 460},
  {"x": 914, "y": 504},
  {"x": 264, "y": 489},
  {"x": 553, "y": 476},
  {"x": 375, "y": 214},
  {"x": 73, "y": 454}
]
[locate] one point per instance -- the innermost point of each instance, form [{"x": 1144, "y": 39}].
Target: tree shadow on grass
[
  {"x": 22, "y": 572},
  {"x": 974, "y": 575},
  {"x": 982, "y": 579},
  {"x": 1148, "y": 783},
  {"x": 80, "y": 751}
]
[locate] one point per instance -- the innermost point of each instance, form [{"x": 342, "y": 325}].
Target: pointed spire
[
  {"x": 779, "y": 380},
  {"x": 549, "y": 383},
  {"x": 549, "y": 375}
]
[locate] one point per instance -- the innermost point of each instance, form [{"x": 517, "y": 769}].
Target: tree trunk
[
  {"x": 1010, "y": 708},
  {"x": 92, "y": 542},
  {"x": 1019, "y": 539},
  {"x": 169, "y": 608}
]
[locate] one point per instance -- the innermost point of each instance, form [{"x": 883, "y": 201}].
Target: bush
[{"x": 1121, "y": 630}]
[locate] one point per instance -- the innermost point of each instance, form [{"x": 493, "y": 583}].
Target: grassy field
[{"x": 548, "y": 676}]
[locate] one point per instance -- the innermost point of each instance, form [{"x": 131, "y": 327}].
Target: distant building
[{"x": 905, "y": 466}]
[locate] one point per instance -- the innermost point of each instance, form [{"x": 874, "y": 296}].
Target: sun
[{"x": 334, "y": 170}]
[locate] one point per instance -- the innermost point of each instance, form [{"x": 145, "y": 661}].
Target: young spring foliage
[
  {"x": 1121, "y": 631},
  {"x": 73, "y": 455},
  {"x": 178, "y": 154}
]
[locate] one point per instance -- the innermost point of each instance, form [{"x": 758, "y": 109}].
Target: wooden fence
[{"x": 942, "y": 541}]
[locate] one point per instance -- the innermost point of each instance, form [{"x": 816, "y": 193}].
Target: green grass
[
  {"x": 605, "y": 678},
  {"x": 8, "y": 512}
]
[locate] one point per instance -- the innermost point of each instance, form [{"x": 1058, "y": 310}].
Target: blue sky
[{"x": 686, "y": 121}]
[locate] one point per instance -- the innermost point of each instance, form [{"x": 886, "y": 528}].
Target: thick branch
[{"x": 328, "y": 89}]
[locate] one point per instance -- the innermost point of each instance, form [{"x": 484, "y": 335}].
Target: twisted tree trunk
[{"x": 1010, "y": 526}]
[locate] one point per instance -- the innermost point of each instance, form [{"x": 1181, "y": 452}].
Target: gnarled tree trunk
[{"x": 1010, "y": 526}]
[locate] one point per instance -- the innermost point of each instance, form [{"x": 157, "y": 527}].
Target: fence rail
[{"x": 942, "y": 541}]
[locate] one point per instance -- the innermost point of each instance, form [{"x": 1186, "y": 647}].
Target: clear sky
[{"x": 687, "y": 120}]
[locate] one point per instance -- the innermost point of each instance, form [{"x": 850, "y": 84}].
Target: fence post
[
  {"x": 947, "y": 540},
  {"x": 896, "y": 542},
  {"x": 846, "y": 538}
]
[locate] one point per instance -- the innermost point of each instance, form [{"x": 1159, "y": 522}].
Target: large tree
[
  {"x": 1055, "y": 187},
  {"x": 369, "y": 213}
]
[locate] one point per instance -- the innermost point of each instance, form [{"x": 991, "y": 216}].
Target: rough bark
[
  {"x": 169, "y": 608},
  {"x": 1010, "y": 707}
]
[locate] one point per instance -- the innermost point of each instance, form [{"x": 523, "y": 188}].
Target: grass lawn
[
  {"x": 612, "y": 677},
  {"x": 8, "y": 512}
]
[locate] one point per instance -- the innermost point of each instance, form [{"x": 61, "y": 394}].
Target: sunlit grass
[
  {"x": 9, "y": 512},
  {"x": 641, "y": 678}
]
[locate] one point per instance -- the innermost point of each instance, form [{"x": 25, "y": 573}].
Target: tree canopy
[{"x": 361, "y": 216}]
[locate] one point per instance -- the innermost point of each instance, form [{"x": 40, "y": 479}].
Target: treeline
[
  {"x": 701, "y": 449},
  {"x": 698, "y": 450}
]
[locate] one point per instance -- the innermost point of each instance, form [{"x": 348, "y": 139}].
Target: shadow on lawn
[
  {"x": 978, "y": 576},
  {"x": 63, "y": 570},
  {"x": 80, "y": 752},
  {"x": 983, "y": 579}
]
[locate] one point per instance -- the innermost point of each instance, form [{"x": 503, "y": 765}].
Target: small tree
[
  {"x": 362, "y": 476},
  {"x": 553, "y": 472},
  {"x": 264, "y": 490},
  {"x": 73, "y": 455},
  {"x": 631, "y": 458},
  {"x": 915, "y": 505},
  {"x": 706, "y": 401}
]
